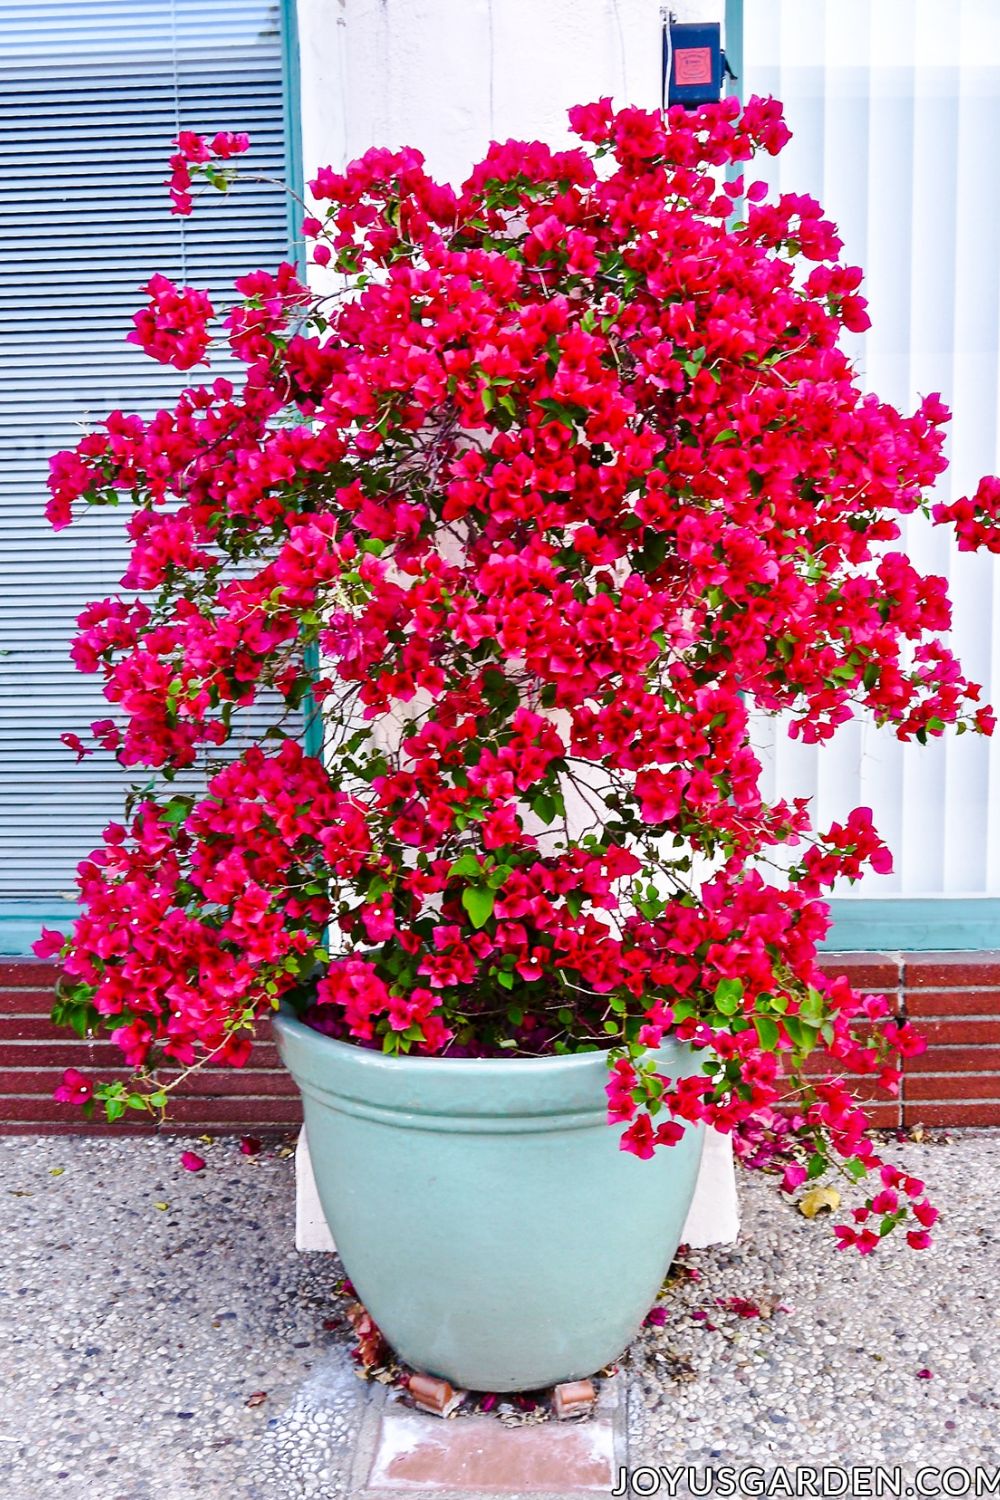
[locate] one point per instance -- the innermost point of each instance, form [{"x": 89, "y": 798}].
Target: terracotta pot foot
[
  {"x": 435, "y": 1396},
  {"x": 573, "y": 1398}
]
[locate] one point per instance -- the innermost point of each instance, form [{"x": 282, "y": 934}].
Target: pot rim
[
  {"x": 285, "y": 1016},
  {"x": 447, "y": 1089}
]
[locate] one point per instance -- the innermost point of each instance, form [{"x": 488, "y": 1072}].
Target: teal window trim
[
  {"x": 296, "y": 182},
  {"x": 294, "y": 170},
  {"x": 914, "y": 924},
  {"x": 21, "y": 923},
  {"x": 733, "y": 45},
  {"x": 880, "y": 924}
]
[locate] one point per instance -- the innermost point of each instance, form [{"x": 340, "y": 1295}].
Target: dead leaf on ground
[
  {"x": 371, "y": 1349},
  {"x": 257, "y": 1399},
  {"x": 819, "y": 1200}
]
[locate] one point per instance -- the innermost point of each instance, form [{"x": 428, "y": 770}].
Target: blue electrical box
[{"x": 693, "y": 62}]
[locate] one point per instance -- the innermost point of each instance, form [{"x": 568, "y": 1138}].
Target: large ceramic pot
[{"x": 483, "y": 1209}]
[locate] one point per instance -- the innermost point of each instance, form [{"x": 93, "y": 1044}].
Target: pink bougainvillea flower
[
  {"x": 174, "y": 328},
  {"x": 73, "y": 742},
  {"x": 192, "y": 1162},
  {"x": 50, "y": 944},
  {"x": 250, "y": 1146},
  {"x": 741, "y": 1306},
  {"x": 74, "y": 1089},
  {"x": 193, "y": 154}
]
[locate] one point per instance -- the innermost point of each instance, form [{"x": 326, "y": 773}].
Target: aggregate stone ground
[{"x": 160, "y": 1339}]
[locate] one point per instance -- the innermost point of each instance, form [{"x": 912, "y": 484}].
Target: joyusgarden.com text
[{"x": 871, "y": 1482}]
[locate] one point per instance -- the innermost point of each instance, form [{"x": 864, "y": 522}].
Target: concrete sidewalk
[{"x": 161, "y": 1339}]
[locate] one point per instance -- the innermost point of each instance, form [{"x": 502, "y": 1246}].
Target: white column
[
  {"x": 713, "y": 1218},
  {"x": 449, "y": 76}
]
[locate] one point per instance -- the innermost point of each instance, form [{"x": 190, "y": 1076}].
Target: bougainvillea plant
[{"x": 563, "y": 481}]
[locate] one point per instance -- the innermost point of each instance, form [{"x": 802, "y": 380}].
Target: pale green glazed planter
[{"x": 483, "y": 1209}]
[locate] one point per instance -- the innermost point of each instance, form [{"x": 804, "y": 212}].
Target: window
[
  {"x": 92, "y": 93},
  {"x": 895, "y": 109}
]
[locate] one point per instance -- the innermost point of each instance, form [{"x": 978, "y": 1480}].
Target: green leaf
[
  {"x": 543, "y": 806},
  {"x": 801, "y": 1034},
  {"x": 177, "y": 809},
  {"x": 563, "y": 412},
  {"x": 812, "y": 1007},
  {"x": 768, "y": 1032},
  {"x": 728, "y": 994},
  {"x": 654, "y": 549},
  {"x": 478, "y": 901}
]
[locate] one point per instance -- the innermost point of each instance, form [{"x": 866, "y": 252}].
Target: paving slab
[{"x": 403, "y": 1452}]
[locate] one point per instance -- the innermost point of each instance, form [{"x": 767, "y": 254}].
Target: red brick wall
[
  {"x": 954, "y": 999},
  {"x": 258, "y": 1099}
]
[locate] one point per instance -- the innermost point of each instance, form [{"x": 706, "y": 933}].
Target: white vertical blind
[
  {"x": 91, "y": 94},
  {"x": 894, "y": 107}
]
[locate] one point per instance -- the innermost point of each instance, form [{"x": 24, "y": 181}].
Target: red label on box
[{"x": 693, "y": 65}]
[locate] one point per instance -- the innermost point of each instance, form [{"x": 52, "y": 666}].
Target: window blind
[
  {"x": 91, "y": 94},
  {"x": 895, "y": 110}
]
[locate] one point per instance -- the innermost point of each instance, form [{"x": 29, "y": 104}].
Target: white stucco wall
[{"x": 449, "y": 76}]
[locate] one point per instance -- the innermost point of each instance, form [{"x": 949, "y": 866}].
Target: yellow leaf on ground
[
  {"x": 817, "y": 1200},
  {"x": 161, "y": 1206}
]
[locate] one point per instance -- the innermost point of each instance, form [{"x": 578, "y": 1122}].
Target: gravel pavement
[{"x": 160, "y": 1339}]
